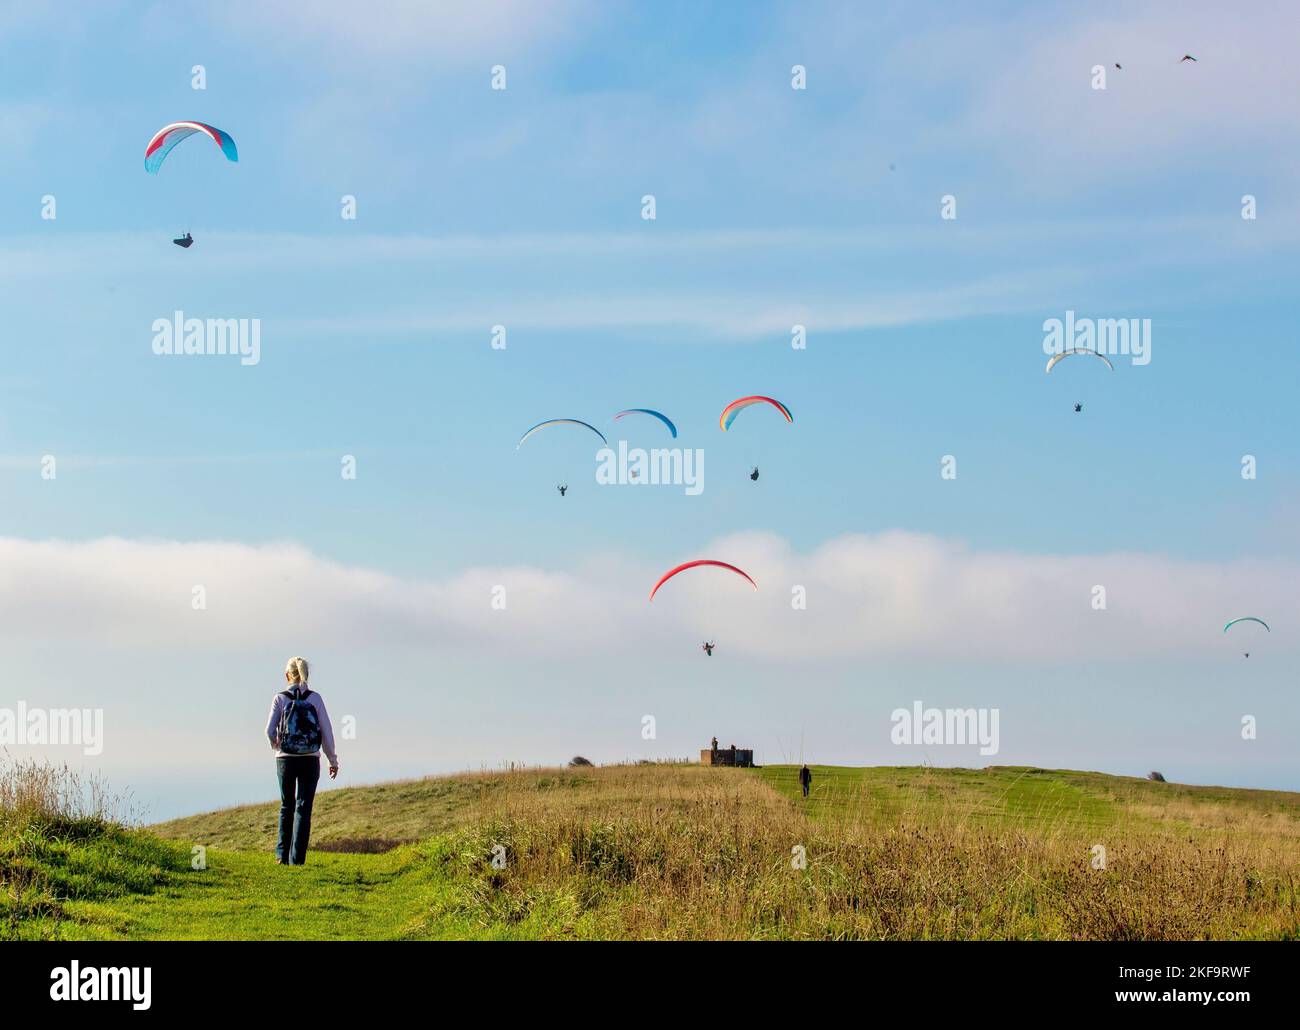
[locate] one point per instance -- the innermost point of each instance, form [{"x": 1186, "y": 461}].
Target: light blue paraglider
[
  {"x": 561, "y": 422},
  {"x": 654, "y": 414}
]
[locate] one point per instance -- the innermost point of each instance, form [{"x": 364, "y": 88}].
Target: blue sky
[{"x": 775, "y": 206}]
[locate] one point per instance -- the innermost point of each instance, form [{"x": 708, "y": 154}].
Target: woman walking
[{"x": 298, "y": 729}]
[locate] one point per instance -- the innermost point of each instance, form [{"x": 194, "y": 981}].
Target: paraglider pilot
[
  {"x": 805, "y": 779},
  {"x": 754, "y": 475},
  {"x": 184, "y": 241},
  {"x": 708, "y": 646},
  {"x": 562, "y": 489}
]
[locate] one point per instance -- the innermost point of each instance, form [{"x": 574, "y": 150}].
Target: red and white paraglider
[{"x": 166, "y": 139}]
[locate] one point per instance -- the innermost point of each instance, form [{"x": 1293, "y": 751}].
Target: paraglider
[
  {"x": 697, "y": 564},
  {"x": 1247, "y": 618},
  {"x": 561, "y": 422},
  {"x": 653, "y": 414},
  {"x": 708, "y": 647},
  {"x": 1058, "y": 358},
  {"x": 733, "y": 409},
  {"x": 165, "y": 140},
  {"x": 563, "y": 488}
]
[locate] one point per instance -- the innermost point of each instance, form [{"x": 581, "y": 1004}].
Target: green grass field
[
  {"x": 1028, "y": 798},
  {"x": 677, "y": 851}
]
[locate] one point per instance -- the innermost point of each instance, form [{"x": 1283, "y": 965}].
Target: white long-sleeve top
[{"x": 326, "y": 731}]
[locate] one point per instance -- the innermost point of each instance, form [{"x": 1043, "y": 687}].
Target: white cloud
[
  {"x": 726, "y": 283},
  {"x": 1031, "y": 97},
  {"x": 32, "y": 462},
  {"x": 446, "y": 31},
  {"x": 722, "y": 313},
  {"x": 979, "y": 96},
  {"x": 887, "y": 594},
  {"x": 1016, "y": 243}
]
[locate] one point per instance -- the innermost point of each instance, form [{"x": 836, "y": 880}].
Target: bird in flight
[{"x": 1187, "y": 57}]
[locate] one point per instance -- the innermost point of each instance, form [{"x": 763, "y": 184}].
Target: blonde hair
[{"x": 296, "y": 670}]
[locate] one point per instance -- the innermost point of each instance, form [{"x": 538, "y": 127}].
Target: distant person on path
[
  {"x": 298, "y": 729},
  {"x": 805, "y": 779}
]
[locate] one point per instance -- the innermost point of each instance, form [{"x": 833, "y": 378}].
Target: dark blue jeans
[{"x": 298, "y": 778}]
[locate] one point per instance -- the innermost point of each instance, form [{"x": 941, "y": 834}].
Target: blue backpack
[{"x": 299, "y": 727}]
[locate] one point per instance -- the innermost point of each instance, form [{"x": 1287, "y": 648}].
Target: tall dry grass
[
  {"x": 645, "y": 852},
  {"x": 60, "y": 832},
  {"x": 43, "y": 793}
]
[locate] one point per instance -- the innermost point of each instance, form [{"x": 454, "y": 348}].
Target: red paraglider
[{"x": 693, "y": 564}]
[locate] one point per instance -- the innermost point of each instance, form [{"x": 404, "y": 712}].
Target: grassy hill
[
  {"x": 1041, "y": 799},
  {"x": 686, "y": 852}
]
